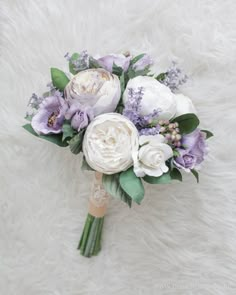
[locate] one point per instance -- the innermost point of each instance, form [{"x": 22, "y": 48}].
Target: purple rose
[
  {"x": 119, "y": 59},
  {"x": 79, "y": 115},
  {"x": 50, "y": 116},
  {"x": 143, "y": 62},
  {"x": 194, "y": 151}
]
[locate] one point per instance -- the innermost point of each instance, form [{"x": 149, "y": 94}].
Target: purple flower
[
  {"x": 119, "y": 59},
  {"x": 194, "y": 153},
  {"x": 50, "y": 116},
  {"x": 79, "y": 115},
  {"x": 143, "y": 62}
]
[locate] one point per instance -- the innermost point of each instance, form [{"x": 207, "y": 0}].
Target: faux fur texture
[{"x": 182, "y": 239}]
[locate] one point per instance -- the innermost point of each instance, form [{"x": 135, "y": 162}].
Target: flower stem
[{"x": 90, "y": 241}]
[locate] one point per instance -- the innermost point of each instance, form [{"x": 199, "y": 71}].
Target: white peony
[
  {"x": 156, "y": 96},
  {"x": 151, "y": 157},
  {"x": 184, "y": 105},
  {"x": 109, "y": 142},
  {"x": 95, "y": 88}
]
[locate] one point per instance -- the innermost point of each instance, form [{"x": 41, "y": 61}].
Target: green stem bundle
[{"x": 90, "y": 241}]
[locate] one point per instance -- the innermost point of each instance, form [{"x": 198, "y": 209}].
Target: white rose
[
  {"x": 156, "y": 96},
  {"x": 109, "y": 142},
  {"x": 96, "y": 88},
  {"x": 184, "y": 105},
  {"x": 151, "y": 157}
]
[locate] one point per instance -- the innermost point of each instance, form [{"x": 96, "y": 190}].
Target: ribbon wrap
[{"x": 99, "y": 198}]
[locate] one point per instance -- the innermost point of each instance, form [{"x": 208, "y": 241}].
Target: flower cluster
[{"x": 126, "y": 122}]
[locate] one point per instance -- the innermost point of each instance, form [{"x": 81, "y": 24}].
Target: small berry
[
  {"x": 168, "y": 136},
  {"x": 166, "y": 122},
  {"x": 162, "y": 129},
  {"x": 178, "y": 136}
]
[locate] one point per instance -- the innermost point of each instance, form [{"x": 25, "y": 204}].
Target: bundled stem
[{"x": 90, "y": 241}]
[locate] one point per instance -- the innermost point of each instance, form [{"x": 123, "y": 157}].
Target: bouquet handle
[{"x": 90, "y": 241}]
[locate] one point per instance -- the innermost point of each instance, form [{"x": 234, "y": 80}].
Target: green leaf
[
  {"x": 29, "y": 117},
  {"x": 113, "y": 188},
  {"x": 208, "y": 133},
  {"x": 59, "y": 79},
  {"x": 132, "y": 73},
  {"x": 161, "y": 77},
  {"x": 93, "y": 64},
  {"x": 176, "y": 174},
  {"x": 195, "y": 173},
  {"x": 85, "y": 165},
  {"x": 132, "y": 185},
  {"x": 117, "y": 70},
  {"x": 76, "y": 142},
  {"x": 137, "y": 58},
  {"x": 175, "y": 153},
  {"x": 54, "y": 138},
  {"x": 163, "y": 179},
  {"x": 67, "y": 131},
  {"x": 122, "y": 83},
  {"x": 73, "y": 58},
  {"x": 187, "y": 123}
]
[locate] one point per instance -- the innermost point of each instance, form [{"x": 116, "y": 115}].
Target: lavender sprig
[
  {"x": 80, "y": 63},
  {"x": 132, "y": 111},
  {"x": 174, "y": 77}
]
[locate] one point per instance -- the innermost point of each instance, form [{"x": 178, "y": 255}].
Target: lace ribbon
[{"x": 99, "y": 198}]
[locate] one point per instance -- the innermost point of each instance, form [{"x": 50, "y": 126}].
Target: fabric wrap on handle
[{"x": 99, "y": 198}]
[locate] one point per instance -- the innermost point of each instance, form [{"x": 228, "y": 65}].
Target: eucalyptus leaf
[
  {"x": 113, "y": 188},
  {"x": 132, "y": 73},
  {"x": 73, "y": 58},
  {"x": 59, "y": 79},
  {"x": 132, "y": 185},
  {"x": 93, "y": 63},
  {"x": 176, "y": 174},
  {"x": 117, "y": 70},
  {"x": 85, "y": 165},
  {"x": 195, "y": 173},
  {"x": 161, "y": 77},
  {"x": 76, "y": 142},
  {"x": 137, "y": 58},
  {"x": 67, "y": 131},
  {"x": 163, "y": 179},
  {"x": 122, "y": 82},
  {"x": 54, "y": 138},
  {"x": 208, "y": 133},
  {"x": 187, "y": 123}
]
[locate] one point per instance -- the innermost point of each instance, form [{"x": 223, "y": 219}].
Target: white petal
[
  {"x": 152, "y": 139},
  {"x": 167, "y": 150},
  {"x": 156, "y": 96},
  {"x": 184, "y": 105}
]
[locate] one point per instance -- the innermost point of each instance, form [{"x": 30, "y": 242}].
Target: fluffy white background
[{"x": 182, "y": 239}]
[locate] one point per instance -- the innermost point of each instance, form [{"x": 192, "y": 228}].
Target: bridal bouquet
[{"x": 130, "y": 124}]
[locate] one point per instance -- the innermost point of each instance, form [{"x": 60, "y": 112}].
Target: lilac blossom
[
  {"x": 194, "y": 151},
  {"x": 50, "y": 116},
  {"x": 81, "y": 63},
  {"x": 143, "y": 63},
  {"x": 132, "y": 111},
  {"x": 174, "y": 77},
  {"x": 79, "y": 115}
]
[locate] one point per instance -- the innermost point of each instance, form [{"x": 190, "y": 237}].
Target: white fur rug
[{"x": 182, "y": 240}]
